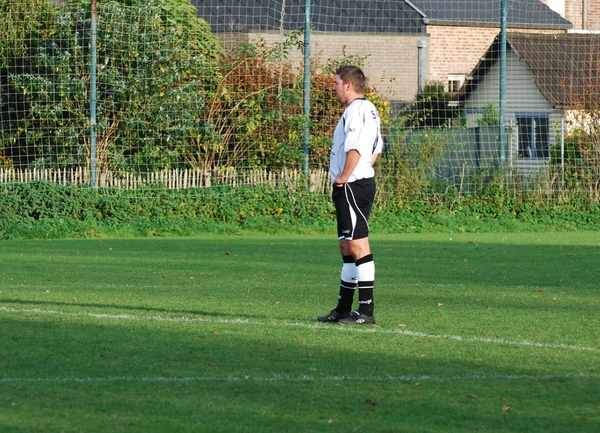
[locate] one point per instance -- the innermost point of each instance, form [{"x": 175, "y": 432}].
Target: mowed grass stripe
[{"x": 332, "y": 327}]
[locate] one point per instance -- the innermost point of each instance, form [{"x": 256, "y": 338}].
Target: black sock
[
  {"x": 366, "y": 281},
  {"x": 347, "y": 285},
  {"x": 345, "y": 297},
  {"x": 365, "y": 297}
]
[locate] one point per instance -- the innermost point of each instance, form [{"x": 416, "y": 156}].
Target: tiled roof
[
  {"x": 373, "y": 16},
  {"x": 561, "y": 65},
  {"x": 380, "y": 16}
]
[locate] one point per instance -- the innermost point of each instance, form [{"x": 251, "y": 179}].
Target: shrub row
[{"x": 46, "y": 210}]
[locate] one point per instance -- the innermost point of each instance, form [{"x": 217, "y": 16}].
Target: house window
[
  {"x": 455, "y": 82},
  {"x": 534, "y": 135}
]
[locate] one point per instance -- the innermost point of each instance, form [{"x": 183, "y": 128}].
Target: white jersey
[{"x": 359, "y": 128}]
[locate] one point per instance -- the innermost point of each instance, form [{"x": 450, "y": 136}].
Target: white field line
[
  {"x": 340, "y": 328},
  {"x": 96, "y": 286},
  {"x": 303, "y": 378}
]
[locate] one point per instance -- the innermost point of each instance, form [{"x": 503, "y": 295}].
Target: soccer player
[{"x": 356, "y": 145}]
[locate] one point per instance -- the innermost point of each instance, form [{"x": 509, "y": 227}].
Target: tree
[
  {"x": 434, "y": 101},
  {"x": 179, "y": 14},
  {"x": 23, "y": 25},
  {"x": 151, "y": 87}
]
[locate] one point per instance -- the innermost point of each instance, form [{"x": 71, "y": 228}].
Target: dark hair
[{"x": 352, "y": 74}]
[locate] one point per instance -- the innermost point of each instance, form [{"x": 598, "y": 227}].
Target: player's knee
[
  {"x": 359, "y": 248},
  {"x": 365, "y": 268}
]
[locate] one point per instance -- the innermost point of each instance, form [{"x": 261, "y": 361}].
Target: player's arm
[
  {"x": 377, "y": 148},
  {"x": 352, "y": 159}
]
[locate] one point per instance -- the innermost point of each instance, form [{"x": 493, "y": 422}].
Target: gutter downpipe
[{"x": 421, "y": 45}]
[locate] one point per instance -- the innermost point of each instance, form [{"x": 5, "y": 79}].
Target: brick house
[
  {"x": 390, "y": 33},
  {"x": 406, "y": 43},
  {"x": 461, "y": 31},
  {"x": 583, "y": 14}
]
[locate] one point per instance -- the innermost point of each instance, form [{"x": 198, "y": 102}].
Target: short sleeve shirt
[{"x": 359, "y": 128}]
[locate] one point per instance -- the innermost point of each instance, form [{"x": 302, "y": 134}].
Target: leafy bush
[
  {"x": 46, "y": 210},
  {"x": 81, "y": 211},
  {"x": 248, "y": 115},
  {"x": 23, "y": 23},
  {"x": 150, "y": 90},
  {"x": 433, "y": 105},
  {"x": 408, "y": 166},
  {"x": 167, "y": 95},
  {"x": 23, "y": 26}
]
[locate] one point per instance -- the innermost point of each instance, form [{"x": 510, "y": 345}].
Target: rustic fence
[{"x": 318, "y": 179}]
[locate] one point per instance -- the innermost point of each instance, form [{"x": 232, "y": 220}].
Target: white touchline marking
[
  {"x": 307, "y": 326},
  {"x": 302, "y": 378}
]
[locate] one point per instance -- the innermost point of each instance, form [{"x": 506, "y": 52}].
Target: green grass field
[{"x": 475, "y": 332}]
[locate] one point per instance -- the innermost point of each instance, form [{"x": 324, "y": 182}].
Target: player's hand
[{"x": 339, "y": 180}]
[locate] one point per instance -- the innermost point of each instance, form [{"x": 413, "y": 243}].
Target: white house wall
[{"x": 521, "y": 96}]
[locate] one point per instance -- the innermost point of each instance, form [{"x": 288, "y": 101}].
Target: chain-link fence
[{"x": 124, "y": 94}]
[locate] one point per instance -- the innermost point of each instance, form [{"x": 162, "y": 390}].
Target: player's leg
[
  {"x": 349, "y": 278},
  {"x": 363, "y": 194},
  {"x": 349, "y": 271},
  {"x": 358, "y": 269},
  {"x": 365, "y": 272},
  {"x": 347, "y": 287}
]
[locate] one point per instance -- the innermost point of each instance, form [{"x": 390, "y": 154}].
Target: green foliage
[
  {"x": 194, "y": 33},
  {"x": 579, "y": 173},
  {"x": 251, "y": 116},
  {"x": 490, "y": 116},
  {"x": 169, "y": 98},
  {"x": 407, "y": 169},
  {"x": 166, "y": 96},
  {"x": 433, "y": 102},
  {"x": 255, "y": 115},
  {"x": 576, "y": 174},
  {"x": 23, "y": 24},
  {"x": 46, "y": 210},
  {"x": 150, "y": 101},
  {"x": 80, "y": 210}
]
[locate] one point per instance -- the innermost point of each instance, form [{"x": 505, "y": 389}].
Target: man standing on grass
[{"x": 357, "y": 143}]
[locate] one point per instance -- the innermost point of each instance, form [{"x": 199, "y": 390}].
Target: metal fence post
[
  {"x": 502, "y": 89},
  {"x": 93, "y": 96},
  {"x": 306, "y": 81}
]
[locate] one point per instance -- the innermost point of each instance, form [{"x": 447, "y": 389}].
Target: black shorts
[{"x": 353, "y": 202}]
